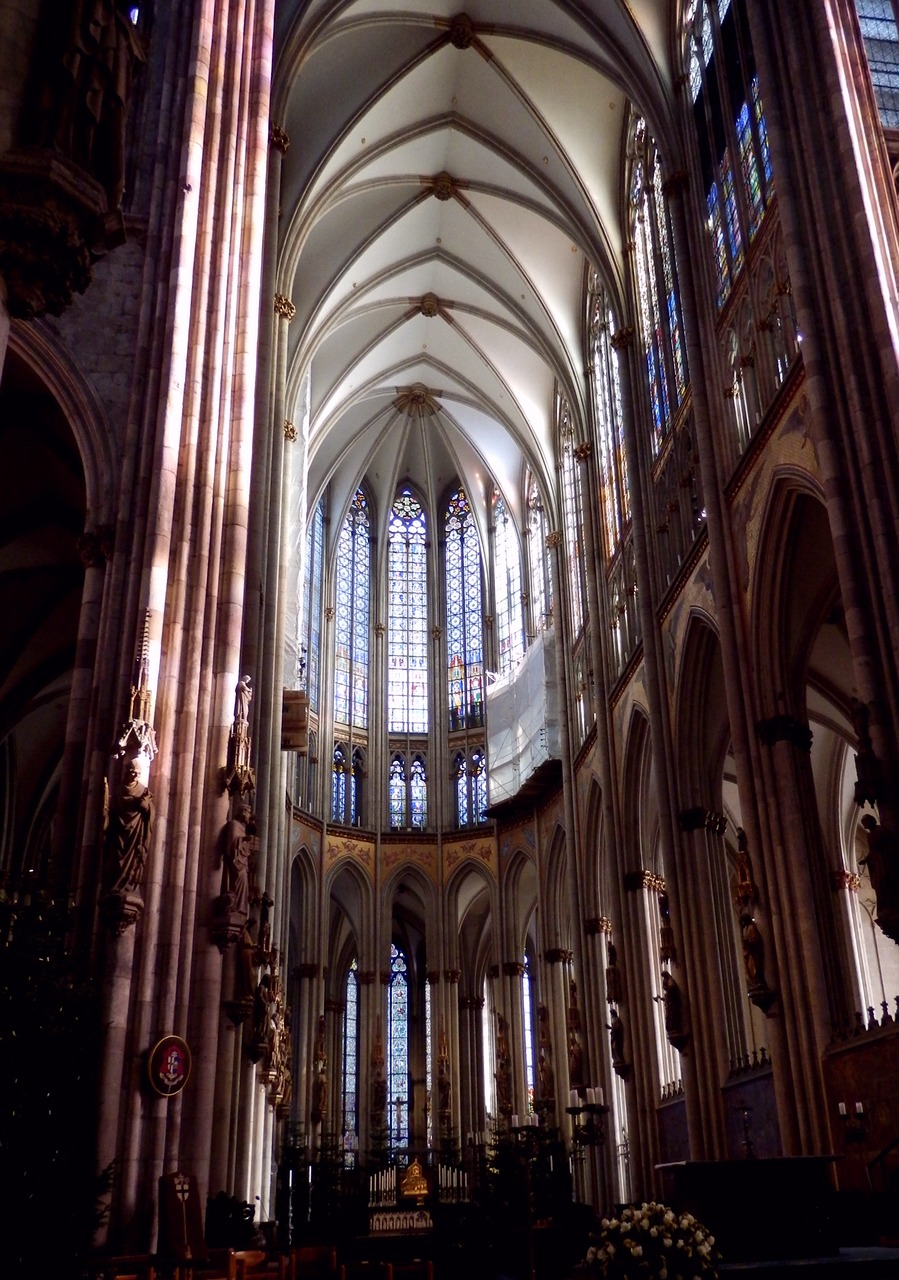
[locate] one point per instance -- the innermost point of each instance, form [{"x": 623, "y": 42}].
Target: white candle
[
  {"x": 842, "y": 1108},
  {"x": 515, "y": 1122},
  {"x": 591, "y": 1097},
  {"x": 599, "y": 1097},
  {"x": 573, "y": 1099}
]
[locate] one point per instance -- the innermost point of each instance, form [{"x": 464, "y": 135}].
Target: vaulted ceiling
[{"x": 450, "y": 179}]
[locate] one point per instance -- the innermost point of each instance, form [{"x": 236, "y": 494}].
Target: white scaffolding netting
[{"x": 523, "y": 720}]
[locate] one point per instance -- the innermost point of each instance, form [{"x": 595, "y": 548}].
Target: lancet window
[
  {"x": 470, "y": 779},
  {"x": 464, "y": 616},
  {"x": 880, "y": 34},
  {"x": 398, "y": 1049},
  {"x": 658, "y": 295},
  {"x": 539, "y": 576},
  {"x": 507, "y": 577},
  {"x": 350, "y": 1052},
  {"x": 614, "y": 488},
  {"x": 315, "y": 543},
  {"x": 573, "y": 515},
  {"x": 408, "y": 792},
  {"x": 407, "y": 676},
  {"x": 351, "y": 626},
  {"x": 730, "y": 128}
]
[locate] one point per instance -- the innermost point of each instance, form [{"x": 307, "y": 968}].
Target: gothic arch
[
  {"x": 702, "y": 728},
  {"x": 794, "y": 586},
  {"x": 596, "y": 888},
  {"x": 557, "y": 922},
  {"x": 36, "y": 348},
  {"x": 639, "y": 815}
]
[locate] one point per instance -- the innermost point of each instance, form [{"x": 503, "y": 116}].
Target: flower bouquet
[{"x": 652, "y": 1242}]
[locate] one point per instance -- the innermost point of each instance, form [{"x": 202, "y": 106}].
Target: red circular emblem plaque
[{"x": 169, "y": 1065}]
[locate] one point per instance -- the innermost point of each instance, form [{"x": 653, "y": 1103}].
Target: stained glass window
[
  {"x": 716, "y": 230},
  {"x": 356, "y": 788},
  {"x": 540, "y": 578},
  {"x": 429, "y": 1070},
  {"x": 730, "y": 130},
  {"x": 470, "y": 780},
  {"x": 478, "y": 774},
  {"x": 460, "y": 776},
  {"x": 418, "y": 793},
  {"x": 407, "y": 792},
  {"x": 614, "y": 489},
  {"x": 350, "y": 1051},
  {"x": 398, "y": 1049},
  {"x": 351, "y": 628},
  {"x": 396, "y": 793},
  {"x": 881, "y": 38},
  {"x": 464, "y": 615},
  {"x": 573, "y": 514},
  {"x": 507, "y": 574},
  {"x": 528, "y": 1033},
  {"x": 650, "y": 318},
  {"x": 731, "y": 214},
  {"x": 313, "y": 600},
  {"x": 338, "y": 785},
  {"x": 407, "y": 660},
  {"x": 658, "y": 298}
]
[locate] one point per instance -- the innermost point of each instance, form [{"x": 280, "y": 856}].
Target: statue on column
[
  {"x": 239, "y": 776},
  {"x": 620, "y": 1065},
  {"x": 868, "y": 772},
  {"x": 503, "y": 1073},
  {"x": 751, "y": 940},
  {"x": 238, "y": 853},
  {"x": 672, "y": 999},
  {"x": 882, "y": 862},
  {"x": 86, "y": 100},
  {"x": 263, "y": 1001},
  {"x": 129, "y": 826}
]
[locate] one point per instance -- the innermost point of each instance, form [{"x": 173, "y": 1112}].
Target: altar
[{"x": 759, "y": 1209}]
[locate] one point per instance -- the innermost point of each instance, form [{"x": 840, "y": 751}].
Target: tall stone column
[{"x": 818, "y": 101}]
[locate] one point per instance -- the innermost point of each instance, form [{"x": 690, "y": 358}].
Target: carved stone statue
[
  {"x": 674, "y": 1011},
  {"x": 243, "y": 696},
  {"x": 575, "y": 1060},
  {"x": 131, "y": 813},
  {"x": 86, "y": 102},
  {"x": 239, "y": 850},
  {"x": 262, "y": 1019},
  {"x": 746, "y": 890},
  {"x": 547, "y": 1078},
  {"x": 319, "y": 1097},
  {"x": 869, "y": 775},
  {"x": 882, "y": 861},
  {"x": 616, "y": 1039}
]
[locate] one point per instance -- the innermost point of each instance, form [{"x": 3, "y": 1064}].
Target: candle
[
  {"x": 591, "y": 1097},
  {"x": 515, "y": 1122},
  {"x": 573, "y": 1099},
  {"x": 859, "y": 1109},
  {"x": 842, "y": 1108},
  {"x": 599, "y": 1097}
]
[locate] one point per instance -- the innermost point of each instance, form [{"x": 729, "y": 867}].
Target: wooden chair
[
  {"x": 417, "y": 1269},
  {"x": 366, "y": 1271},
  {"x": 313, "y": 1262},
  {"x": 135, "y": 1266}
]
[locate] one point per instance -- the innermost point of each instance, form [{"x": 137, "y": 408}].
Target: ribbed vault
[{"x": 450, "y": 179}]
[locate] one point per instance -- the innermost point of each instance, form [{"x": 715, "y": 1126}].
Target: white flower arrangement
[{"x": 652, "y": 1242}]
